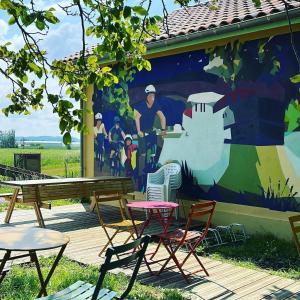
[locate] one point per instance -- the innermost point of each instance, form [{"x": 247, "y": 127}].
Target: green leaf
[
  {"x": 295, "y": 79},
  {"x": 92, "y": 60},
  {"x": 62, "y": 125},
  {"x": 33, "y": 67},
  {"x": 40, "y": 24},
  {"x": 12, "y": 20},
  {"x": 89, "y": 31},
  {"x": 127, "y": 12},
  {"x": 67, "y": 139},
  {"x": 140, "y": 10},
  {"x": 25, "y": 78},
  {"x": 147, "y": 65},
  {"x": 106, "y": 69}
]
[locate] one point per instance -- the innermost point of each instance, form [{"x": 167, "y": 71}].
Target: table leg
[
  {"x": 39, "y": 215},
  {"x": 35, "y": 260},
  {"x": 11, "y": 205},
  {"x": 44, "y": 283},
  {"x": 139, "y": 234},
  {"x": 165, "y": 228},
  {"x": 56, "y": 261},
  {"x": 2, "y": 265}
]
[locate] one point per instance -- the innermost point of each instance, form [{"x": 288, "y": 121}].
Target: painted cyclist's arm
[
  {"x": 109, "y": 137},
  {"x": 104, "y": 131},
  {"x": 123, "y": 134},
  {"x": 138, "y": 123},
  {"x": 162, "y": 119}
]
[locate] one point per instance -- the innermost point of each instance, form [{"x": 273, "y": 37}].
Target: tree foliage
[{"x": 121, "y": 30}]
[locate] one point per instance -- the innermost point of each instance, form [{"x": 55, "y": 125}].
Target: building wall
[{"x": 233, "y": 123}]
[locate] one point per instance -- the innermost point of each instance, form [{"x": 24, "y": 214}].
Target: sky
[{"x": 63, "y": 39}]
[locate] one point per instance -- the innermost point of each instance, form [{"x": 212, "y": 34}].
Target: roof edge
[{"x": 272, "y": 21}]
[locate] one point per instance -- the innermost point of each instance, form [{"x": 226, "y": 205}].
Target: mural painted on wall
[{"x": 229, "y": 115}]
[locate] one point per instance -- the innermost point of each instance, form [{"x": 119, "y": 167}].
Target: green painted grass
[
  {"x": 22, "y": 282},
  {"x": 263, "y": 252}
]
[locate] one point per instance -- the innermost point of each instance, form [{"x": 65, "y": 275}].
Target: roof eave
[{"x": 263, "y": 23}]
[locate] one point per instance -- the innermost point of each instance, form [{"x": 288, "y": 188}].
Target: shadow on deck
[{"x": 225, "y": 281}]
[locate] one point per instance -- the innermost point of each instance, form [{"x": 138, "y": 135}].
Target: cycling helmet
[
  {"x": 128, "y": 137},
  {"x": 116, "y": 119},
  {"x": 98, "y": 116},
  {"x": 150, "y": 89}
]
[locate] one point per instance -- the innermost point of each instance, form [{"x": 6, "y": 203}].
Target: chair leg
[
  {"x": 192, "y": 252},
  {"x": 130, "y": 236},
  {"x": 109, "y": 242},
  {"x": 174, "y": 258}
]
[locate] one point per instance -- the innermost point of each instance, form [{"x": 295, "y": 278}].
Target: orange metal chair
[
  {"x": 295, "y": 225},
  {"x": 123, "y": 225},
  {"x": 191, "y": 239}
]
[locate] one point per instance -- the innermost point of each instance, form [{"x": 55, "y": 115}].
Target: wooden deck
[{"x": 225, "y": 281}]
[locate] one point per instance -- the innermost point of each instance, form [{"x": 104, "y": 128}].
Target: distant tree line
[{"x": 8, "y": 139}]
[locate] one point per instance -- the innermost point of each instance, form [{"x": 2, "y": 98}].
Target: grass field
[{"x": 55, "y": 162}]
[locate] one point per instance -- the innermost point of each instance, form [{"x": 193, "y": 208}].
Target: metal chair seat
[
  {"x": 178, "y": 234},
  {"x": 81, "y": 290},
  {"x": 126, "y": 224}
]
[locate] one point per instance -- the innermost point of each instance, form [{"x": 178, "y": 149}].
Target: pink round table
[
  {"x": 152, "y": 205},
  {"x": 154, "y": 209}
]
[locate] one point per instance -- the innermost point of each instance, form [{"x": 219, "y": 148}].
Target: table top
[
  {"x": 25, "y": 239},
  {"x": 152, "y": 204},
  {"x": 19, "y": 183}
]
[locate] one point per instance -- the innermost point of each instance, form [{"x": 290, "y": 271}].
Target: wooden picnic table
[{"x": 37, "y": 192}]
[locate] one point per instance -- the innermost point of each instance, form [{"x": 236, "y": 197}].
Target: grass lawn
[
  {"x": 54, "y": 162},
  {"x": 261, "y": 251},
  {"x": 22, "y": 282}
]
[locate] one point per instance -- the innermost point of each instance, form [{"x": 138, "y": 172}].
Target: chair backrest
[
  {"x": 173, "y": 171},
  {"x": 107, "y": 196},
  {"x": 202, "y": 209},
  {"x": 295, "y": 225},
  {"x": 133, "y": 255}
]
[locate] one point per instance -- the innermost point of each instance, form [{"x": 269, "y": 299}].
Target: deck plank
[{"x": 226, "y": 281}]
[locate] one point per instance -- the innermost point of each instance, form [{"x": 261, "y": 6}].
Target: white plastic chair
[{"x": 163, "y": 184}]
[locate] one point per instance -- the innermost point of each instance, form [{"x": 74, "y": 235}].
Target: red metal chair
[{"x": 191, "y": 239}]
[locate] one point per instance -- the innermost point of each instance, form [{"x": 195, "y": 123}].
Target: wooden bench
[{"x": 38, "y": 192}]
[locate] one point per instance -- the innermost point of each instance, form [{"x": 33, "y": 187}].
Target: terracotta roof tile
[{"x": 201, "y": 17}]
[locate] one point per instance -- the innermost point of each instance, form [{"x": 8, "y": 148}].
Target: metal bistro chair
[
  {"x": 124, "y": 225},
  {"x": 173, "y": 241},
  {"x": 295, "y": 225},
  {"x": 86, "y": 291}
]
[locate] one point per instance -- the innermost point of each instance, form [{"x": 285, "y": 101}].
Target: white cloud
[{"x": 3, "y": 29}]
